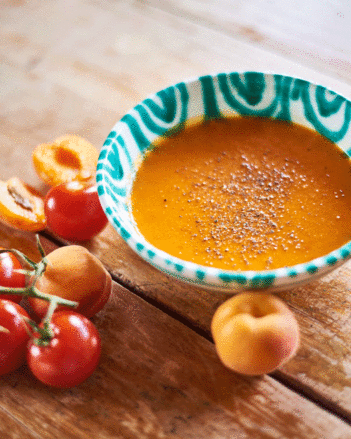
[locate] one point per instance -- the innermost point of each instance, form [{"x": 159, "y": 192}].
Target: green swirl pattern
[{"x": 212, "y": 97}]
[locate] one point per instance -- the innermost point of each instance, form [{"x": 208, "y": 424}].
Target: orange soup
[{"x": 244, "y": 194}]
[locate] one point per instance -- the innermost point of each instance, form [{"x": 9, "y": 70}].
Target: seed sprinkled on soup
[{"x": 244, "y": 194}]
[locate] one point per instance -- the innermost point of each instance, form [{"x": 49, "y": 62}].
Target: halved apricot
[
  {"x": 67, "y": 158},
  {"x": 21, "y": 206}
]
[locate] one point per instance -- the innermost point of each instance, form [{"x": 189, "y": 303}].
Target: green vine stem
[
  {"x": 32, "y": 291},
  {"x": 34, "y": 273}
]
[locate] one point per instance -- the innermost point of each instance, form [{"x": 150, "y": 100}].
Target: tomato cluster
[
  {"x": 64, "y": 348},
  {"x": 71, "y": 209},
  {"x": 69, "y": 358},
  {"x": 60, "y": 346}
]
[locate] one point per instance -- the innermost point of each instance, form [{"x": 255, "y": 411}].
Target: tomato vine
[{"x": 49, "y": 347}]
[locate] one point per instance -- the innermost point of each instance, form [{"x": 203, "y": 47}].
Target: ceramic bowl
[{"x": 208, "y": 97}]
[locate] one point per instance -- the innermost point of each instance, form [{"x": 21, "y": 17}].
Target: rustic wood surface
[
  {"x": 76, "y": 67},
  {"x": 157, "y": 379}
]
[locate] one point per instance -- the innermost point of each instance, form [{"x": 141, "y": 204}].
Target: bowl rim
[{"x": 212, "y": 276}]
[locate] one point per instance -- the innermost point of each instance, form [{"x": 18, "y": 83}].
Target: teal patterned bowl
[{"x": 209, "y": 97}]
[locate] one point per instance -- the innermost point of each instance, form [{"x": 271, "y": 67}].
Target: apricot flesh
[
  {"x": 21, "y": 206},
  {"x": 255, "y": 333},
  {"x": 67, "y": 158}
]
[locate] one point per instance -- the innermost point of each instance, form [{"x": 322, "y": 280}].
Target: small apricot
[
  {"x": 21, "y": 206},
  {"x": 74, "y": 273},
  {"x": 254, "y": 333},
  {"x": 67, "y": 158}
]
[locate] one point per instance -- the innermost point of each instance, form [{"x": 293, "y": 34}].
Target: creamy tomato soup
[{"x": 244, "y": 194}]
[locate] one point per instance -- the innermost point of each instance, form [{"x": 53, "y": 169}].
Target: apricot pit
[{"x": 21, "y": 206}]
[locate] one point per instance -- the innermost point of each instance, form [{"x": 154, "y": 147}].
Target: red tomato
[
  {"x": 13, "y": 344},
  {"x": 8, "y": 276},
  {"x": 73, "y": 211},
  {"x": 71, "y": 356}
]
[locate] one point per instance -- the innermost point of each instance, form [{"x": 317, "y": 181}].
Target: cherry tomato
[
  {"x": 73, "y": 211},
  {"x": 71, "y": 356},
  {"x": 74, "y": 274},
  {"x": 13, "y": 336},
  {"x": 9, "y": 277}
]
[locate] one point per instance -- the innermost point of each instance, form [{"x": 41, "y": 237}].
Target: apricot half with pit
[
  {"x": 67, "y": 158},
  {"x": 255, "y": 333},
  {"x": 21, "y": 205}
]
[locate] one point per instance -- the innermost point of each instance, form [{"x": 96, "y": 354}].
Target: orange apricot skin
[
  {"x": 74, "y": 274},
  {"x": 255, "y": 333},
  {"x": 68, "y": 158},
  {"x": 21, "y": 206}
]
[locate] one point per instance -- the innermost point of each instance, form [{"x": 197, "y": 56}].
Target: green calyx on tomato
[
  {"x": 41, "y": 334},
  {"x": 71, "y": 356},
  {"x": 64, "y": 349}
]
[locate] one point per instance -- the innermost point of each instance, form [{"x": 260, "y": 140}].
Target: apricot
[
  {"x": 254, "y": 333},
  {"x": 67, "y": 158},
  {"x": 21, "y": 206},
  {"x": 73, "y": 273}
]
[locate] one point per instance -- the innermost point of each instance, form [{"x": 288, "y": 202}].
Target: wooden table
[{"x": 77, "y": 66}]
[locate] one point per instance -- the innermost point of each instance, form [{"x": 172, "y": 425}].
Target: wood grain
[
  {"x": 313, "y": 33},
  {"x": 323, "y": 309},
  {"x": 11, "y": 428},
  {"x": 159, "y": 379},
  {"x": 78, "y": 70}
]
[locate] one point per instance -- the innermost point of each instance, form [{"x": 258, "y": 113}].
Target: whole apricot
[
  {"x": 254, "y": 333},
  {"x": 75, "y": 274}
]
